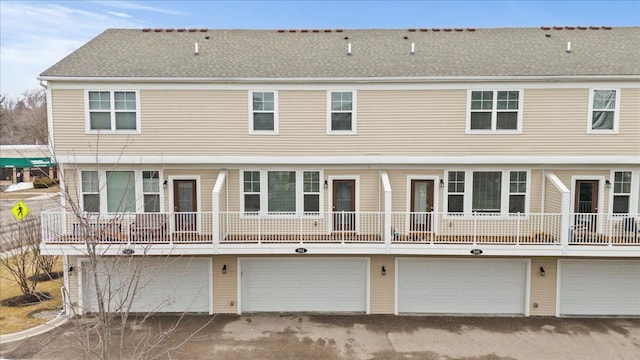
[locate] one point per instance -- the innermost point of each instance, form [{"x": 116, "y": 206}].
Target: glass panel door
[
  {"x": 586, "y": 204},
  {"x": 185, "y": 205},
  {"x": 421, "y": 205},
  {"x": 344, "y": 205}
]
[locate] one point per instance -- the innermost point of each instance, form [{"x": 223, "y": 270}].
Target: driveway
[{"x": 264, "y": 336}]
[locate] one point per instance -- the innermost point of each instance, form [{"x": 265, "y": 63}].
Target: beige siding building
[{"x": 449, "y": 171}]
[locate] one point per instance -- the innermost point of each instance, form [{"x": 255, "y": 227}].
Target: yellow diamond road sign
[{"x": 20, "y": 210}]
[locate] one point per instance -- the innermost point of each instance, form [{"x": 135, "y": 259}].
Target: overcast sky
[{"x": 36, "y": 34}]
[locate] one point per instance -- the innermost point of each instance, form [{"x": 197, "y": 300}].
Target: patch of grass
[{"x": 14, "y": 319}]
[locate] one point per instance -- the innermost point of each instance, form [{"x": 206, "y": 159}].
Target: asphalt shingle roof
[{"x": 269, "y": 54}]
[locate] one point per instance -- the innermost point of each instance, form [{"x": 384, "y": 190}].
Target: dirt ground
[{"x": 295, "y": 336}]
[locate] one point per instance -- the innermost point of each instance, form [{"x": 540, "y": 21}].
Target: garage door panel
[
  {"x": 304, "y": 285},
  {"x": 160, "y": 285},
  {"x": 461, "y": 286},
  {"x": 599, "y": 287}
]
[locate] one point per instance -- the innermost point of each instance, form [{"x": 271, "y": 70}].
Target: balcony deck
[{"x": 60, "y": 228}]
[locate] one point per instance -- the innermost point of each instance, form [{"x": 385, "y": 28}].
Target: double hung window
[
  {"x": 494, "y": 111},
  {"x": 264, "y": 116},
  {"x": 603, "y": 110},
  {"x": 621, "y": 192},
  {"x": 112, "y": 111},
  {"x": 342, "y": 119}
]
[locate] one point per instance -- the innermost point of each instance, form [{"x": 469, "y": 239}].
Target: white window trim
[
  {"x": 468, "y": 192},
  {"x": 634, "y": 195},
  {"x": 275, "y": 130},
  {"x": 87, "y": 117},
  {"x": 264, "y": 194},
  {"x": 494, "y": 111},
  {"x": 616, "y": 113},
  {"x": 354, "y": 106},
  {"x": 102, "y": 188}
]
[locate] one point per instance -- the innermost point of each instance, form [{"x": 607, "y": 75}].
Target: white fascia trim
[
  {"x": 356, "y": 159},
  {"x": 349, "y": 249},
  {"x": 551, "y": 78}
]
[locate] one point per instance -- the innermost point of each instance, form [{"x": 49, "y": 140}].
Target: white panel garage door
[
  {"x": 164, "y": 285},
  {"x": 457, "y": 286},
  {"x": 310, "y": 284},
  {"x": 592, "y": 287}
]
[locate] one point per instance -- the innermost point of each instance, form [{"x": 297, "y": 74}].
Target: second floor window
[
  {"x": 341, "y": 112},
  {"x": 264, "y": 117},
  {"x": 603, "y": 112},
  {"x": 112, "y": 111},
  {"x": 494, "y": 111}
]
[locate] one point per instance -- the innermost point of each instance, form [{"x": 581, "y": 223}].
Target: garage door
[
  {"x": 315, "y": 285},
  {"x": 457, "y": 286},
  {"x": 599, "y": 287},
  {"x": 161, "y": 285}
]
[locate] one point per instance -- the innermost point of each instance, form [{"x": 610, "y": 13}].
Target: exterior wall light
[
  {"x": 383, "y": 271},
  {"x": 542, "y": 272},
  {"x": 326, "y": 184},
  {"x": 224, "y": 268},
  {"x": 165, "y": 184},
  {"x": 441, "y": 183},
  {"x": 608, "y": 184}
]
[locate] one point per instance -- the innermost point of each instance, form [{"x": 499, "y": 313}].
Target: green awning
[{"x": 26, "y": 162}]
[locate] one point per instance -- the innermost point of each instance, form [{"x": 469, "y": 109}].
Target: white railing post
[
  {"x": 519, "y": 219},
  {"x": 475, "y": 225}
]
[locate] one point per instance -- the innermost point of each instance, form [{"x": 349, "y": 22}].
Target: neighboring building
[
  {"x": 20, "y": 163},
  {"x": 464, "y": 171}
]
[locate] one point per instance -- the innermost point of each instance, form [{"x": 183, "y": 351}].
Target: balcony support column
[
  {"x": 215, "y": 221},
  {"x": 386, "y": 185}
]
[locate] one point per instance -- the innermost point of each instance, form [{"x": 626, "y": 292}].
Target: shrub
[{"x": 43, "y": 183}]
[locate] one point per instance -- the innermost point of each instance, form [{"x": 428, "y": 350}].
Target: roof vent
[
  {"x": 304, "y": 30},
  {"x": 315, "y": 30},
  {"x": 558, "y": 27},
  {"x": 607, "y": 27},
  {"x": 413, "y": 48},
  {"x": 338, "y": 30},
  {"x": 146, "y": 29},
  {"x": 459, "y": 29},
  {"x": 471, "y": 29},
  {"x": 181, "y": 30},
  {"x": 411, "y": 30},
  {"x": 424, "y": 29},
  {"x": 327, "y": 30},
  {"x": 435, "y": 29},
  {"x": 568, "y": 47},
  {"x": 545, "y": 27},
  {"x": 196, "y": 50},
  {"x": 204, "y": 30},
  {"x": 570, "y": 27},
  {"x": 349, "y": 49},
  {"x": 447, "y": 29},
  {"x": 594, "y": 27},
  {"x": 193, "y": 30},
  {"x": 157, "y": 30},
  {"x": 582, "y": 28},
  {"x": 280, "y": 30},
  {"x": 168, "y": 30}
]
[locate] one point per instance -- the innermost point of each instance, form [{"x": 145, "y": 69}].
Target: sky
[{"x": 34, "y": 35}]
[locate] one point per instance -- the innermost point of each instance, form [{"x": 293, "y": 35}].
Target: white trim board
[{"x": 355, "y": 160}]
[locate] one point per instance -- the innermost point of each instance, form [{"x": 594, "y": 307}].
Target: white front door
[
  {"x": 462, "y": 286},
  {"x": 309, "y": 284},
  {"x": 598, "y": 287}
]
